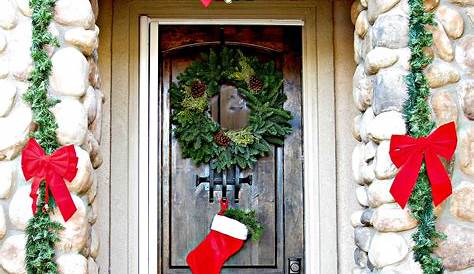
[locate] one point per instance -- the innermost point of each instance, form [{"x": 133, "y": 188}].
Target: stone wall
[
  {"x": 75, "y": 80},
  {"x": 382, "y": 230}
]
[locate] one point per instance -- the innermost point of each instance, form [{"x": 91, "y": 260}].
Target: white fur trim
[{"x": 229, "y": 227}]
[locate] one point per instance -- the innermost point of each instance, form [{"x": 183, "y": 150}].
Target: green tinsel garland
[
  {"x": 419, "y": 123},
  {"x": 41, "y": 231}
]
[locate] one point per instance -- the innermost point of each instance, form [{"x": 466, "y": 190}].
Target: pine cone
[
  {"x": 255, "y": 83},
  {"x": 198, "y": 89},
  {"x": 221, "y": 139}
]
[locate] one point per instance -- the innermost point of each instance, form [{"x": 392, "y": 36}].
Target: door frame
[{"x": 135, "y": 245}]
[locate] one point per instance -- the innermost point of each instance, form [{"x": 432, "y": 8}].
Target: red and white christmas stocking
[{"x": 227, "y": 236}]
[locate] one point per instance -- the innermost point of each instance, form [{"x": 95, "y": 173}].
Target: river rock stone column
[
  {"x": 75, "y": 81},
  {"x": 382, "y": 230}
]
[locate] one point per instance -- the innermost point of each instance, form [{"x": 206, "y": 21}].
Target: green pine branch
[
  {"x": 42, "y": 235},
  {"x": 419, "y": 123},
  {"x": 249, "y": 219}
]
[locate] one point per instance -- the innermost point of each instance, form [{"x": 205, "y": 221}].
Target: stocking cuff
[{"x": 229, "y": 227}]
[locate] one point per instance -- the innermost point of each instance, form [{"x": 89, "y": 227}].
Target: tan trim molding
[{"x": 134, "y": 248}]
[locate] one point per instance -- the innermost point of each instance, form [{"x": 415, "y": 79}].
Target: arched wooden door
[{"x": 277, "y": 190}]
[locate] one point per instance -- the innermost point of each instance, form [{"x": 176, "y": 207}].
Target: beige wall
[
  {"x": 344, "y": 67},
  {"x": 104, "y": 22},
  {"x": 345, "y": 110}
]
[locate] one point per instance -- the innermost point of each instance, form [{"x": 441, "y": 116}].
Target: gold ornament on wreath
[{"x": 201, "y": 138}]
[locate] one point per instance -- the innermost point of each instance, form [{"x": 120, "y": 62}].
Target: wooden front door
[{"x": 277, "y": 189}]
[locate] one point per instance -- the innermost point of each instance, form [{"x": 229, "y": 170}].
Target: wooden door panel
[
  {"x": 187, "y": 228},
  {"x": 277, "y": 190},
  {"x": 293, "y": 153},
  {"x": 264, "y": 37},
  {"x": 229, "y": 109}
]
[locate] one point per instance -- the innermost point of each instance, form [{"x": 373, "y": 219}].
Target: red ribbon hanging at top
[
  {"x": 206, "y": 3},
  {"x": 224, "y": 206},
  {"x": 407, "y": 153},
  {"x": 53, "y": 169}
]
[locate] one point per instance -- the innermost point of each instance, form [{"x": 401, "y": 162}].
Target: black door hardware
[
  {"x": 294, "y": 266},
  {"x": 224, "y": 179}
]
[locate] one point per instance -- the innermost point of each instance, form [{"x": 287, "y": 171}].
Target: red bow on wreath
[
  {"x": 407, "y": 153},
  {"x": 53, "y": 169}
]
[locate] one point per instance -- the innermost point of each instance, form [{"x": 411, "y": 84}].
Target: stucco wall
[
  {"x": 382, "y": 230},
  {"x": 75, "y": 81},
  {"x": 104, "y": 21},
  {"x": 345, "y": 111}
]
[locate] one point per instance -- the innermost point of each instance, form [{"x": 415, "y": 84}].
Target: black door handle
[{"x": 223, "y": 180}]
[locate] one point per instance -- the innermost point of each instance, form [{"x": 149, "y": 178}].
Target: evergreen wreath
[
  {"x": 204, "y": 140},
  {"x": 41, "y": 231},
  {"x": 419, "y": 123}
]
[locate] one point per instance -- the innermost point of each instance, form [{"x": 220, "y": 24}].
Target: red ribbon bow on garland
[
  {"x": 53, "y": 169},
  {"x": 407, "y": 153}
]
